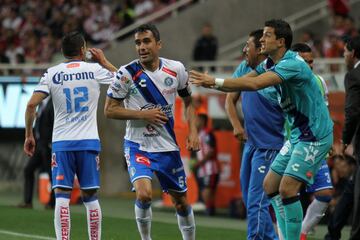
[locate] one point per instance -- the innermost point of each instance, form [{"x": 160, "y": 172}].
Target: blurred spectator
[
  {"x": 207, "y": 168},
  {"x": 339, "y": 7},
  {"x": 206, "y": 46},
  {"x": 143, "y": 7},
  {"x": 308, "y": 38}
]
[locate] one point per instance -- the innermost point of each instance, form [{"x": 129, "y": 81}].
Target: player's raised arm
[
  {"x": 249, "y": 82},
  {"x": 99, "y": 57},
  {"x": 30, "y": 114}
]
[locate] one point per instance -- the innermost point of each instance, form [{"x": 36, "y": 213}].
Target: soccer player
[
  {"x": 74, "y": 86},
  {"x": 207, "y": 168},
  {"x": 264, "y": 126},
  {"x": 144, "y": 94},
  {"x": 322, "y": 187},
  {"x": 302, "y": 103}
]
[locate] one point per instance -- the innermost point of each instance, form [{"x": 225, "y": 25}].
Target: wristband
[{"x": 219, "y": 82}]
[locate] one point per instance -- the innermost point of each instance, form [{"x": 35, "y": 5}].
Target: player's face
[
  {"x": 269, "y": 43},
  {"x": 251, "y": 52},
  {"x": 308, "y": 57},
  {"x": 147, "y": 47}
]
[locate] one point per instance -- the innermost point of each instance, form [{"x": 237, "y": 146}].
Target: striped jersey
[
  {"x": 75, "y": 88},
  {"x": 142, "y": 89}
]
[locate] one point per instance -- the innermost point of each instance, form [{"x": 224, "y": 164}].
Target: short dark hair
[
  {"x": 282, "y": 30},
  {"x": 354, "y": 44},
  {"x": 257, "y": 34},
  {"x": 149, "y": 27},
  {"x": 72, "y": 43},
  {"x": 301, "y": 47}
]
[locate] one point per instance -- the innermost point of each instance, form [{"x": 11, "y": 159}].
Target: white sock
[
  {"x": 187, "y": 225},
  {"x": 143, "y": 216},
  {"x": 62, "y": 217},
  {"x": 94, "y": 218},
  {"x": 314, "y": 213}
]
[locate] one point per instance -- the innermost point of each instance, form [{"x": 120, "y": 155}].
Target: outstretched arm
[
  {"x": 30, "y": 114},
  {"x": 249, "y": 82}
]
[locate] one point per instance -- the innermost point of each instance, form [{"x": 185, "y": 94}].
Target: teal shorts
[{"x": 302, "y": 160}]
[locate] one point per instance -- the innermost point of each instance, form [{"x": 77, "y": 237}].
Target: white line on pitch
[{"x": 25, "y": 235}]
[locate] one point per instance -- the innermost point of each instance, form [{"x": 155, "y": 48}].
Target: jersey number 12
[{"x": 81, "y": 95}]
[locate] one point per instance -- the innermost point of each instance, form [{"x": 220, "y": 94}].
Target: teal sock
[
  {"x": 293, "y": 217},
  {"x": 278, "y": 207}
]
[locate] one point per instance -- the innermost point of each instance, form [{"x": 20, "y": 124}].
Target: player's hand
[
  {"x": 97, "y": 55},
  {"x": 201, "y": 79},
  {"x": 239, "y": 133},
  {"x": 29, "y": 146},
  {"x": 192, "y": 142},
  {"x": 155, "y": 116}
]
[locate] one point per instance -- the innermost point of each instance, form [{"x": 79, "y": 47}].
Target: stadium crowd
[{"x": 31, "y": 31}]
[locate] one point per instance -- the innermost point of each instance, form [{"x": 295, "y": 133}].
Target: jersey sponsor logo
[
  {"x": 169, "y": 81},
  {"x": 311, "y": 154},
  {"x": 142, "y": 83},
  {"x": 94, "y": 223},
  {"x": 97, "y": 159},
  {"x": 73, "y": 65},
  {"x": 167, "y": 109},
  {"x": 60, "y": 77},
  {"x": 151, "y": 131},
  {"x": 53, "y": 161},
  {"x": 132, "y": 171},
  {"x": 262, "y": 169},
  {"x": 65, "y": 222},
  {"x": 170, "y": 72},
  {"x": 142, "y": 159},
  {"x": 168, "y": 91},
  {"x": 287, "y": 105},
  {"x": 60, "y": 177},
  {"x": 295, "y": 167}
]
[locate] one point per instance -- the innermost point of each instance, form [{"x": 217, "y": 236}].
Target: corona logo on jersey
[
  {"x": 167, "y": 109},
  {"x": 142, "y": 159},
  {"x": 60, "y": 77}
]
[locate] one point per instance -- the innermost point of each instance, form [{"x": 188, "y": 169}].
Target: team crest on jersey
[
  {"x": 97, "y": 159},
  {"x": 53, "y": 161},
  {"x": 169, "y": 81},
  {"x": 142, "y": 159}
]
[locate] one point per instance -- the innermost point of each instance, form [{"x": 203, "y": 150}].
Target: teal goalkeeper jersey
[{"x": 300, "y": 98}]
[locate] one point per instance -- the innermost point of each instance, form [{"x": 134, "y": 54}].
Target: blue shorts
[
  {"x": 322, "y": 179},
  {"x": 85, "y": 164},
  {"x": 167, "y": 166}
]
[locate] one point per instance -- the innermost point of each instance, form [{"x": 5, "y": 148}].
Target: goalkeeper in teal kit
[{"x": 303, "y": 105}]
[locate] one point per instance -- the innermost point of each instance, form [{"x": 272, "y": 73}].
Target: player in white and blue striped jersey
[
  {"x": 74, "y": 86},
  {"x": 144, "y": 94}
]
